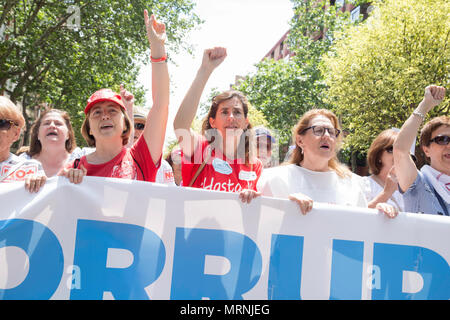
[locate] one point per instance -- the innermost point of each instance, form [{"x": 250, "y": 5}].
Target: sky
[{"x": 247, "y": 28}]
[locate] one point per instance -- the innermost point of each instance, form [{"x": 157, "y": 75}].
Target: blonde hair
[
  {"x": 297, "y": 155},
  {"x": 9, "y": 111}
]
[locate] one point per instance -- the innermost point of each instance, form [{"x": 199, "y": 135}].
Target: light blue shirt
[{"x": 421, "y": 197}]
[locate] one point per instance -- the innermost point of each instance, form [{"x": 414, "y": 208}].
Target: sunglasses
[
  {"x": 139, "y": 126},
  {"x": 441, "y": 140},
  {"x": 320, "y": 131},
  {"x": 6, "y": 124}
]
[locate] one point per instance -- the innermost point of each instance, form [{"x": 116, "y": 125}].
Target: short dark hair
[{"x": 430, "y": 126}]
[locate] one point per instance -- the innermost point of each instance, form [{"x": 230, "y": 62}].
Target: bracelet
[
  {"x": 420, "y": 114},
  {"x": 159, "y": 60}
]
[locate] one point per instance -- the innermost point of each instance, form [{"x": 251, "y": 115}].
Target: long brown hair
[
  {"x": 246, "y": 137},
  {"x": 35, "y": 144},
  {"x": 303, "y": 123},
  {"x": 384, "y": 140}
]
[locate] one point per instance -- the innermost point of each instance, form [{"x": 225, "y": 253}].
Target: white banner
[{"x": 122, "y": 239}]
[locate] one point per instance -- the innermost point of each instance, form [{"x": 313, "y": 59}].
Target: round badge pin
[{"x": 221, "y": 166}]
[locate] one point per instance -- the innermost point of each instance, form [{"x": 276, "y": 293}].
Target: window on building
[
  {"x": 354, "y": 15},
  {"x": 340, "y": 3}
]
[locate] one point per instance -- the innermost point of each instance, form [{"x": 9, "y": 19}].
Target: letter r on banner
[{"x": 93, "y": 240}]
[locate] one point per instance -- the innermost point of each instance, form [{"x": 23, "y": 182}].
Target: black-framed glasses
[
  {"x": 139, "y": 126},
  {"x": 6, "y": 124},
  {"x": 441, "y": 140},
  {"x": 389, "y": 149},
  {"x": 320, "y": 131}
]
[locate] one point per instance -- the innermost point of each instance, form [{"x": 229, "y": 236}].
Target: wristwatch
[{"x": 420, "y": 114}]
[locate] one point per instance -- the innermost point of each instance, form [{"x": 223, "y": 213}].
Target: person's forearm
[
  {"x": 188, "y": 108},
  {"x": 383, "y": 196},
  {"x": 160, "y": 78},
  {"x": 409, "y": 129},
  {"x": 405, "y": 167}
]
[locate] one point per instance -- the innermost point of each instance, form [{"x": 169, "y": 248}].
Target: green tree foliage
[
  {"x": 285, "y": 89},
  {"x": 59, "y": 52},
  {"x": 377, "y": 70}
]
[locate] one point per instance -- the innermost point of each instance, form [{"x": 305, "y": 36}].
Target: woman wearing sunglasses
[
  {"x": 165, "y": 172},
  {"x": 427, "y": 190},
  {"x": 382, "y": 185},
  {"x": 13, "y": 168},
  {"x": 314, "y": 172},
  {"x": 108, "y": 127}
]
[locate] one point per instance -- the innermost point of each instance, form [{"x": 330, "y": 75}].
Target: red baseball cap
[{"x": 103, "y": 95}]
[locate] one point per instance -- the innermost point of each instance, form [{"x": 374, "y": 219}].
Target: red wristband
[{"x": 162, "y": 59}]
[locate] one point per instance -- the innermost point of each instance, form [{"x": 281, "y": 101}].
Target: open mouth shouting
[
  {"x": 106, "y": 126},
  {"x": 325, "y": 146},
  {"x": 52, "y": 134}
]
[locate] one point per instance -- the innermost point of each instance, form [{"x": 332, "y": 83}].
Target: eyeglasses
[
  {"x": 139, "y": 126},
  {"x": 389, "y": 149},
  {"x": 441, "y": 140},
  {"x": 320, "y": 131},
  {"x": 6, "y": 124}
]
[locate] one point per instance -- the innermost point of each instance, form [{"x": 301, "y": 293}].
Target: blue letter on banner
[
  {"x": 45, "y": 256},
  {"x": 191, "y": 247},
  {"x": 285, "y": 269},
  {"x": 91, "y": 249},
  {"x": 346, "y": 270},
  {"x": 394, "y": 259}
]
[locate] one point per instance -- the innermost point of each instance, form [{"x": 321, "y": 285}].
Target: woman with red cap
[{"x": 108, "y": 128}]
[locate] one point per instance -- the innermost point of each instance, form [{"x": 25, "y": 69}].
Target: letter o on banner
[{"x": 45, "y": 256}]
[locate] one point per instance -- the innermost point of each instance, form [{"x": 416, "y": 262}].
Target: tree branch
[
  {"x": 31, "y": 18},
  {"x": 6, "y": 8}
]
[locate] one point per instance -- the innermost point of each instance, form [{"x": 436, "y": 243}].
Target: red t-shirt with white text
[
  {"x": 219, "y": 173},
  {"x": 131, "y": 163}
]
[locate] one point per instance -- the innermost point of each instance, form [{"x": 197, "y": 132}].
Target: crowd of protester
[{"x": 124, "y": 141}]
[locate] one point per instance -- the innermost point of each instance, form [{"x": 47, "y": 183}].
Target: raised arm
[
  {"x": 212, "y": 58},
  {"x": 155, "y": 126},
  {"x": 405, "y": 168},
  {"x": 128, "y": 101}
]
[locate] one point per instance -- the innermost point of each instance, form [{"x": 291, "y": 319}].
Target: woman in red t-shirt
[
  {"x": 221, "y": 158},
  {"x": 107, "y": 126}
]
